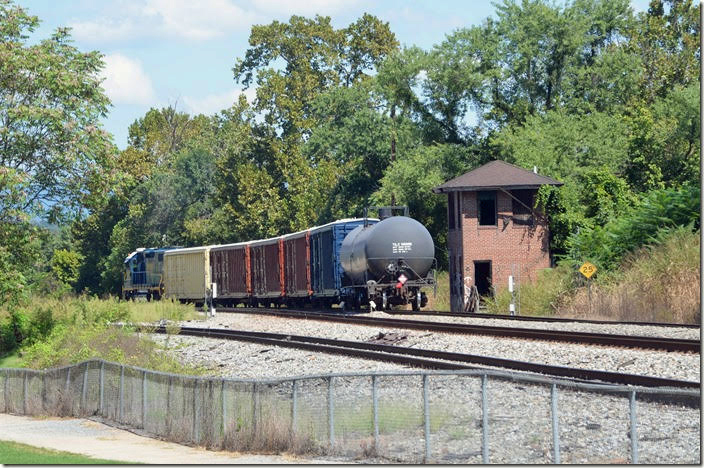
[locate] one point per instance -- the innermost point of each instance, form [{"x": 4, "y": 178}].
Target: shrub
[
  {"x": 71, "y": 343},
  {"x": 606, "y": 246},
  {"x": 24, "y": 326}
]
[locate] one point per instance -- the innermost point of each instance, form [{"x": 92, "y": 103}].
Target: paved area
[{"x": 98, "y": 440}]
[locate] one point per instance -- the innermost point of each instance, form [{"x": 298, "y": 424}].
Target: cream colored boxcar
[{"x": 187, "y": 274}]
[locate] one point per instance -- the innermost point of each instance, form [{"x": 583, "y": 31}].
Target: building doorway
[{"x": 482, "y": 277}]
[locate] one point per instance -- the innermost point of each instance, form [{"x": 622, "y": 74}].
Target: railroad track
[
  {"x": 641, "y": 342},
  {"x": 526, "y": 318},
  {"x": 429, "y": 359}
]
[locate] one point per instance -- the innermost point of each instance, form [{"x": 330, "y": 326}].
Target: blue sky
[{"x": 181, "y": 52}]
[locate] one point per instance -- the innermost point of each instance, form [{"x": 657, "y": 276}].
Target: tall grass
[
  {"x": 439, "y": 298},
  {"x": 543, "y": 297},
  {"x": 660, "y": 282},
  {"x": 49, "y": 332}
]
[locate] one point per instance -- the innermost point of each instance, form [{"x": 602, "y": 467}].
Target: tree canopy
[{"x": 594, "y": 95}]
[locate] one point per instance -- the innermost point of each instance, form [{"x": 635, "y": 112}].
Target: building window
[
  {"x": 523, "y": 206},
  {"x": 451, "y": 209},
  {"x": 487, "y": 208},
  {"x": 459, "y": 210}
]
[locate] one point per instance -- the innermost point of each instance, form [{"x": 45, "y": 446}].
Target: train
[{"x": 376, "y": 263}]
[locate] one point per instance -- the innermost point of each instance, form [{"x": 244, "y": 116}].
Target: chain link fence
[{"x": 479, "y": 416}]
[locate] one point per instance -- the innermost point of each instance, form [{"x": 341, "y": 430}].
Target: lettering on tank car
[{"x": 401, "y": 247}]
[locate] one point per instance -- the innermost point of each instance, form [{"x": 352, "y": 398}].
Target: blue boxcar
[{"x": 325, "y": 267}]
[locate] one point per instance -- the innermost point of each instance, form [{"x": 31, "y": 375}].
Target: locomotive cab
[{"x": 142, "y": 273}]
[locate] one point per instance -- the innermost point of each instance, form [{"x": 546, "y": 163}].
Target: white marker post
[
  {"x": 512, "y": 306},
  {"x": 214, "y": 289}
]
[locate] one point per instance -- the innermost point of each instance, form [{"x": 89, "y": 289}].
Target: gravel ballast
[
  {"x": 593, "y": 428},
  {"x": 285, "y": 362}
]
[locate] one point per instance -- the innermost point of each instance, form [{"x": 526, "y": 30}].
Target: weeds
[
  {"x": 657, "y": 283},
  {"x": 50, "y": 332},
  {"x": 543, "y": 297},
  {"x": 441, "y": 300}
]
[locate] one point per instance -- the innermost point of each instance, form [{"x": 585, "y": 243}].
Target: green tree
[
  {"x": 19, "y": 239},
  {"x": 164, "y": 132},
  {"x": 50, "y": 106},
  {"x": 413, "y": 176},
  {"x": 65, "y": 265},
  {"x": 667, "y": 39},
  {"x": 292, "y": 64},
  {"x": 353, "y": 143},
  {"x": 522, "y": 62},
  {"x": 664, "y": 140},
  {"x": 316, "y": 57}
]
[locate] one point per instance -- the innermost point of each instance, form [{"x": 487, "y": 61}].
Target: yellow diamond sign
[{"x": 587, "y": 269}]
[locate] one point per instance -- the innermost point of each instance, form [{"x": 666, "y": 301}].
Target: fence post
[
  {"x": 485, "y": 420},
  {"x": 222, "y": 409},
  {"x": 168, "y": 406},
  {"x": 122, "y": 389},
  {"x": 426, "y": 418},
  {"x": 144, "y": 399},
  {"x": 102, "y": 386},
  {"x": 24, "y": 394},
  {"x": 294, "y": 405},
  {"x": 84, "y": 384},
  {"x": 68, "y": 382},
  {"x": 331, "y": 414},
  {"x": 6, "y": 385},
  {"x": 375, "y": 412},
  {"x": 195, "y": 411},
  {"x": 555, "y": 428},
  {"x": 255, "y": 406},
  {"x": 44, "y": 391},
  {"x": 634, "y": 431}
]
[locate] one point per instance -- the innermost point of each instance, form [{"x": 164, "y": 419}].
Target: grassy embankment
[
  {"x": 12, "y": 453},
  {"x": 48, "y": 332},
  {"x": 656, "y": 283},
  {"x": 659, "y": 282}
]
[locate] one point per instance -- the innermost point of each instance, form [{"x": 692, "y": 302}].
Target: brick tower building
[{"x": 494, "y": 231}]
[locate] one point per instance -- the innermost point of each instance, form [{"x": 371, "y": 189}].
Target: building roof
[{"x": 494, "y": 175}]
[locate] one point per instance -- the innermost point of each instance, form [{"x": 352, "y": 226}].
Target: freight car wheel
[{"x": 416, "y": 303}]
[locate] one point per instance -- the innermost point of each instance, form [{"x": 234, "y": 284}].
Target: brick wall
[{"x": 513, "y": 249}]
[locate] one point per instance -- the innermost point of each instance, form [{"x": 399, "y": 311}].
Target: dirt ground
[{"x": 94, "y": 439}]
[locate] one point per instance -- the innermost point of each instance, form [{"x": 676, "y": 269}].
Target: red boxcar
[
  {"x": 229, "y": 272},
  {"x": 266, "y": 268},
  {"x": 297, "y": 265}
]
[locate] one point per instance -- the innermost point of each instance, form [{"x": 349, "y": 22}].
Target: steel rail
[
  {"x": 641, "y": 342},
  {"x": 528, "y": 318},
  {"x": 437, "y": 359}
]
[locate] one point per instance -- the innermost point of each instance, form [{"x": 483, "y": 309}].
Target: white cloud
[
  {"x": 126, "y": 82},
  {"x": 302, "y": 7},
  {"x": 204, "y": 19},
  {"x": 201, "y": 20},
  {"x": 214, "y": 103}
]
